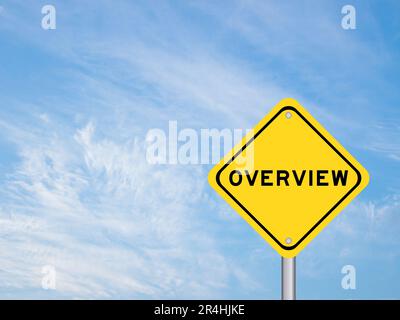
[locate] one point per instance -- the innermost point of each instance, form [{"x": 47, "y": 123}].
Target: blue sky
[{"x": 76, "y": 104}]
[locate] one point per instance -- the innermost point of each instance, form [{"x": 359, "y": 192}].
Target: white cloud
[
  {"x": 111, "y": 224},
  {"x": 362, "y": 230}
]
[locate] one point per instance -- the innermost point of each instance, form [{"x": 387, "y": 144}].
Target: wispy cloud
[{"x": 110, "y": 223}]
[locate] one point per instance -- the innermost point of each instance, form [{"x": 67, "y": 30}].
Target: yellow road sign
[{"x": 288, "y": 178}]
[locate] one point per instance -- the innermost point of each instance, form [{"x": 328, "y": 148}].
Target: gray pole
[{"x": 288, "y": 278}]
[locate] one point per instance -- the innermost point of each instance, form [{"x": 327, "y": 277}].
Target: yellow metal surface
[{"x": 288, "y": 178}]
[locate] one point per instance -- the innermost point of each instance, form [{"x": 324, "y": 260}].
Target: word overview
[{"x": 289, "y": 178}]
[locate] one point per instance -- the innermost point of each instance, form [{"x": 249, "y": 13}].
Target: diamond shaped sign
[{"x": 288, "y": 178}]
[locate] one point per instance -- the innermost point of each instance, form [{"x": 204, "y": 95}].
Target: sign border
[{"x": 285, "y": 247}]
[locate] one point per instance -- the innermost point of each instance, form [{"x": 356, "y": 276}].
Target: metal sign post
[{"x": 288, "y": 278}]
